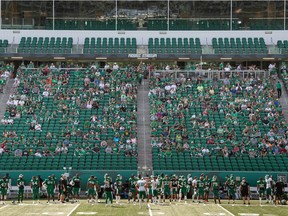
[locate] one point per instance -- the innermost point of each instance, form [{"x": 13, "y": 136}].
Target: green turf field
[{"x": 174, "y": 209}]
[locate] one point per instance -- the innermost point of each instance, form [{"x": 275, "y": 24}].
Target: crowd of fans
[
  {"x": 229, "y": 117},
  {"x": 83, "y": 109}
]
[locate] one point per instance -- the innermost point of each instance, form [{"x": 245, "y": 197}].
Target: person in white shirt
[
  {"x": 107, "y": 66},
  {"x": 141, "y": 186},
  {"x": 38, "y": 127},
  {"x": 45, "y": 93},
  {"x": 38, "y": 154},
  {"x": 269, "y": 183},
  {"x": 194, "y": 186},
  {"x": 154, "y": 188},
  {"x": 115, "y": 66}
]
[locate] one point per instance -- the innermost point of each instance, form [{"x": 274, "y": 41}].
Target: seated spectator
[
  {"x": 38, "y": 153},
  {"x": 57, "y": 150},
  {"x": 108, "y": 150},
  {"x": 38, "y": 127},
  {"x": 96, "y": 149},
  {"x": 18, "y": 153},
  {"x": 25, "y": 153},
  {"x": 32, "y": 126},
  {"x": 64, "y": 149}
]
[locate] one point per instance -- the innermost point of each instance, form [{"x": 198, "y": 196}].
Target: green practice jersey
[
  {"x": 133, "y": 182},
  {"x": 166, "y": 183},
  {"x": 119, "y": 183},
  {"x": 261, "y": 185},
  {"x": 91, "y": 183},
  {"x": 49, "y": 183},
  {"x": 34, "y": 183},
  {"x": 215, "y": 185},
  {"x": 4, "y": 183},
  {"x": 200, "y": 184},
  {"x": 21, "y": 183},
  {"x": 76, "y": 181}
]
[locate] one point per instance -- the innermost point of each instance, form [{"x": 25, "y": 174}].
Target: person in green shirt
[
  {"x": 34, "y": 184},
  {"x": 207, "y": 183},
  {"x": 49, "y": 184},
  {"x": 76, "y": 183},
  {"x": 279, "y": 89},
  {"x": 200, "y": 188},
  {"x": 231, "y": 185},
  {"x": 133, "y": 192},
  {"x": 92, "y": 188},
  {"x": 261, "y": 188},
  {"x": 4, "y": 185},
  {"x": 215, "y": 188},
  {"x": 166, "y": 188},
  {"x": 183, "y": 184},
  {"x": 21, "y": 186}
]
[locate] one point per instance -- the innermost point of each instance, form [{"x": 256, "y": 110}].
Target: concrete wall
[{"x": 142, "y": 37}]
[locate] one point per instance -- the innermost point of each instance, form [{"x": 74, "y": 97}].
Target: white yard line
[
  {"x": 3, "y": 207},
  {"x": 73, "y": 209},
  {"x": 225, "y": 210},
  {"x": 150, "y": 211}
]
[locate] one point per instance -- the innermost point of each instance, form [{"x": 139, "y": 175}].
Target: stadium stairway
[
  {"x": 144, "y": 130},
  {"x": 4, "y": 97}
]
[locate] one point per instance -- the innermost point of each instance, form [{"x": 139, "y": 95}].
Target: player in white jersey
[
  {"x": 269, "y": 186},
  {"x": 141, "y": 186},
  {"x": 194, "y": 186},
  {"x": 154, "y": 188},
  {"x": 189, "y": 186}
]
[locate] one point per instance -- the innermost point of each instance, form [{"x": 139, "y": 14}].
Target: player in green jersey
[
  {"x": 183, "y": 184},
  {"x": 76, "y": 184},
  {"x": 132, "y": 191},
  {"x": 4, "y": 185},
  {"x": 49, "y": 185},
  {"x": 231, "y": 186},
  {"x": 215, "y": 185},
  {"x": 149, "y": 189},
  {"x": 119, "y": 185},
  {"x": 34, "y": 184},
  {"x": 92, "y": 189},
  {"x": 166, "y": 188},
  {"x": 200, "y": 188},
  {"x": 261, "y": 187},
  {"x": 207, "y": 182},
  {"x": 21, "y": 186}
]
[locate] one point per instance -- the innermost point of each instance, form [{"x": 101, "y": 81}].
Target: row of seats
[
  {"x": 283, "y": 46},
  {"x": 239, "y": 46},
  {"x": 155, "y": 45},
  {"x": 88, "y": 162},
  {"x": 174, "y": 45},
  {"x": 110, "y": 45},
  {"x": 45, "y": 45},
  {"x": 184, "y": 161},
  {"x": 3, "y": 45}
]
